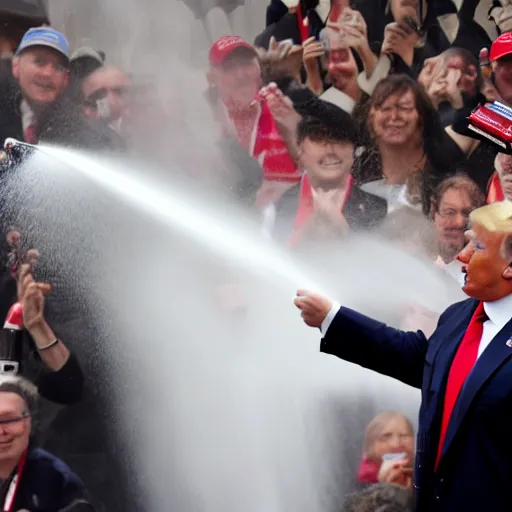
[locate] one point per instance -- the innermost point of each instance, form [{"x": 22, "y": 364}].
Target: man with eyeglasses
[
  {"x": 453, "y": 201},
  {"x": 31, "y": 478}
]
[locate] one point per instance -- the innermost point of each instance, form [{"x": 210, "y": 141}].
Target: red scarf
[
  {"x": 15, "y": 484},
  {"x": 303, "y": 24},
  {"x": 271, "y": 150},
  {"x": 368, "y": 471},
  {"x": 494, "y": 190},
  {"x": 306, "y": 207},
  {"x": 268, "y": 147}
]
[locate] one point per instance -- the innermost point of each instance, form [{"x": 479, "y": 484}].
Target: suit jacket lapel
[
  {"x": 496, "y": 353},
  {"x": 443, "y": 356}
]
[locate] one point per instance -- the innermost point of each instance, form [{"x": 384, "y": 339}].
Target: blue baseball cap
[{"x": 45, "y": 36}]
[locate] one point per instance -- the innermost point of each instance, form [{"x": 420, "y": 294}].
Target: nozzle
[
  {"x": 11, "y": 143},
  {"x": 14, "y": 152}
]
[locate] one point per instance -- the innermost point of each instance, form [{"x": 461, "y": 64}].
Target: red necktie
[
  {"x": 462, "y": 364},
  {"x": 30, "y": 134}
]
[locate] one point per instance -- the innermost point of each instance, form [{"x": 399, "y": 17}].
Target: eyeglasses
[
  {"x": 451, "y": 213},
  {"x": 11, "y": 424}
]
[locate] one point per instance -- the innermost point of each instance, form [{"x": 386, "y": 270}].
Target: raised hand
[
  {"x": 281, "y": 107},
  {"x": 31, "y": 295},
  {"x": 312, "y": 50},
  {"x": 353, "y": 29},
  {"x": 502, "y": 16},
  {"x": 400, "y": 40},
  {"x": 282, "y": 57},
  {"x": 488, "y": 89}
]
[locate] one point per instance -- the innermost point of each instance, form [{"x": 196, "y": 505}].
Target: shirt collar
[
  {"x": 27, "y": 115},
  {"x": 323, "y": 9},
  {"x": 499, "y": 311}
]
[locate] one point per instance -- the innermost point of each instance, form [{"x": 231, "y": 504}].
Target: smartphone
[
  {"x": 411, "y": 23},
  {"x": 394, "y": 456},
  {"x": 388, "y": 459}
]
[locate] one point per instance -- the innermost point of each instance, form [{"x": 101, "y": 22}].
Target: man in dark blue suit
[{"x": 464, "y": 445}]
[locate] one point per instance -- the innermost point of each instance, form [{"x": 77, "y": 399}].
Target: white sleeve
[
  {"x": 329, "y": 318},
  {"x": 381, "y": 71}
]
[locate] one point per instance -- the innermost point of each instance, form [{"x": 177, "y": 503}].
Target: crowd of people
[{"x": 340, "y": 118}]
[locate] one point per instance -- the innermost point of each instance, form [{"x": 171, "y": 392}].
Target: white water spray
[
  {"x": 177, "y": 212},
  {"x": 220, "y": 414}
]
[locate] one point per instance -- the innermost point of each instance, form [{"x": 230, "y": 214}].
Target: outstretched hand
[{"x": 314, "y": 307}]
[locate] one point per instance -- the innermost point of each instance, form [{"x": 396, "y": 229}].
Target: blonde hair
[
  {"x": 495, "y": 217},
  {"x": 378, "y": 424}
]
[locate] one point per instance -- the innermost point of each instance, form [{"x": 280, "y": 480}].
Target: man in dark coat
[{"x": 464, "y": 452}]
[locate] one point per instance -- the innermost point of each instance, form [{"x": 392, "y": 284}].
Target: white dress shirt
[
  {"x": 499, "y": 313},
  {"x": 27, "y": 115}
]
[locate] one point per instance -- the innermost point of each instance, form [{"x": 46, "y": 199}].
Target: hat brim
[
  {"x": 92, "y": 55},
  {"x": 501, "y": 55},
  {"x": 40, "y": 44},
  {"x": 239, "y": 49}
]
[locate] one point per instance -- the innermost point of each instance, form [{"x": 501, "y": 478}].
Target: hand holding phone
[{"x": 395, "y": 469}]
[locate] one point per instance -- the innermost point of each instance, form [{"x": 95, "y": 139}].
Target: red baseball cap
[
  {"x": 501, "y": 46},
  {"x": 226, "y": 45}
]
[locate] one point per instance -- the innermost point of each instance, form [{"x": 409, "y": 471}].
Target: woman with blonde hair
[{"x": 388, "y": 450}]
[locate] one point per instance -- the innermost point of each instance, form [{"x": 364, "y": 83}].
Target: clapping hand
[{"x": 328, "y": 205}]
